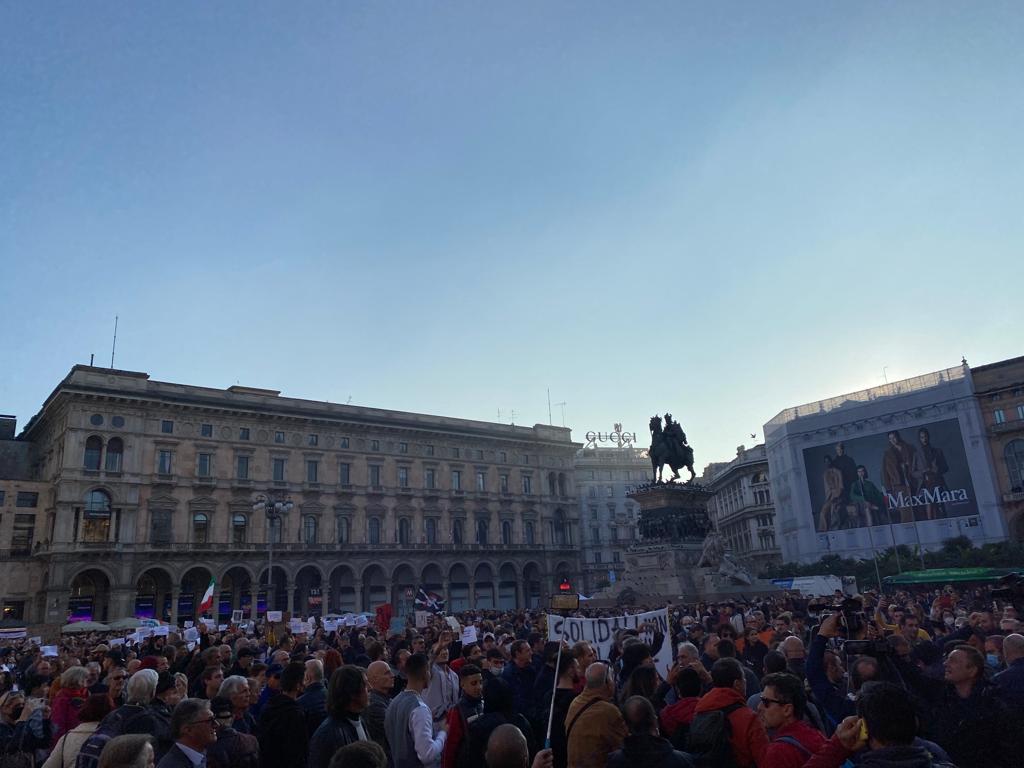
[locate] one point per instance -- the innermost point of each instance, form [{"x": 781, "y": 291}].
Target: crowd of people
[{"x": 908, "y": 680}]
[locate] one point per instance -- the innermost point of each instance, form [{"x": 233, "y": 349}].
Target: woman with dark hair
[
  {"x": 96, "y": 707},
  {"x": 347, "y": 696},
  {"x": 643, "y": 681}
]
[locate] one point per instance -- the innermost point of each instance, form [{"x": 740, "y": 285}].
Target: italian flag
[{"x": 207, "y": 603}]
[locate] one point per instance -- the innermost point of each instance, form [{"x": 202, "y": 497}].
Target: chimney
[{"x": 8, "y": 426}]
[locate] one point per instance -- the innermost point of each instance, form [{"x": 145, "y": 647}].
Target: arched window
[
  {"x": 373, "y": 525},
  {"x": 528, "y": 532},
  {"x": 93, "y": 451},
  {"x": 457, "y": 532},
  {"x": 506, "y": 532},
  {"x": 97, "y": 504},
  {"x": 481, "y": 531},
  {"x": 200, "y": 528},
  {"x": 309, "y": 529},
  {"x": 239, "y": 524},
  {"x": 115, "y": 455},
  {"x": 551, "y": 483},
  {"x": 1014, "y": 455},
  {"x": 431, "y": 529},
  {"x": 342, "y": 527},
  {"x": 404, "y": 530}
]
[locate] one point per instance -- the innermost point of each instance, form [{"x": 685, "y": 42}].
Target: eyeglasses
[
  {"x": 212, "y": 720},
  {"x": 768, "y": 702}
]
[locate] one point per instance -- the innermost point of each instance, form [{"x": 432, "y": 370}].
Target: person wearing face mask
[{"x": 19, "y": 730}]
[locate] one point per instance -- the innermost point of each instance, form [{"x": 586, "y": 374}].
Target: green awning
[{"x": 943, "y": 575}]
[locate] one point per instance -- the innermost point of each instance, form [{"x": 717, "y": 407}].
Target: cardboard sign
[
  {"x": 330, "y": 625},
  {"x": 236, "y": 616},
  {"x": 350, "y": 621},
  {"x": 191, "y": 646},
  {"x": 36, "y": 640},
  {"x": 191, "y": 634},
  {"x": 50, "y": 650},
  {"x": 422, "y": 619},
  {"x": 273, "y": 616},
  {"x": 397, "y": 626},
  {"x": 453, "y": 623},
  {"x": 144, "y": 632},
  {"x": 208, "y": 622},
  {"x": 469, "y": 635}
]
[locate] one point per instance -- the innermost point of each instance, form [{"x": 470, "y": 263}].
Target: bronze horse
[{"x": 666, "y": 450}]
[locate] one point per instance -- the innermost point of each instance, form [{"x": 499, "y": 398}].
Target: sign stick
[{"x": 554, "y": 687}]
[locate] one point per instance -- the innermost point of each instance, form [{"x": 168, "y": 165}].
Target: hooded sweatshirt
[{"x": 749, "y": 738}]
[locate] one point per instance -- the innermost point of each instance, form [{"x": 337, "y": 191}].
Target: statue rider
[{"x": 676, "y": 438}]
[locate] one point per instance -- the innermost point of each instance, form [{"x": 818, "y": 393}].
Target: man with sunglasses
[
  {"x": 781, "y": 708},
  {"x": 194, "y": 729}
]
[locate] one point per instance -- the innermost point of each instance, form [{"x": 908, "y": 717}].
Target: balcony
[
  {"x": 260, "y": 548},
  {"x": 1016, "y": 425},
  {"x": 1013, "y": 498}
]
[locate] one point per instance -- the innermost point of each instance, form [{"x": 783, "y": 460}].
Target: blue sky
[{"x": 720, "y": 210}]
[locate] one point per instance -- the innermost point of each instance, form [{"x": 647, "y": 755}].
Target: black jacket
[
  {"x": 284, "y": 739},
  {"x": 332, "y": 734},
  {"x": 649, "y": 752}
]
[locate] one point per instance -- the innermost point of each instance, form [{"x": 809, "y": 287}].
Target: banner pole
[{"x": 554, "y": 687}]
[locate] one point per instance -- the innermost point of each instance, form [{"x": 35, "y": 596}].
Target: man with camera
[{"x": 830, "y": 691}]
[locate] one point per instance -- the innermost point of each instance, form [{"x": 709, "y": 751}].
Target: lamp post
[{"x": 273, "y": 510}]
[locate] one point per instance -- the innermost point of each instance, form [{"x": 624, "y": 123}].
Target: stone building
[
  {"x": 608, "y": 518},
  {"x": 742, "y": 509},
  {"x": 999, "y": 388},
  {"x": 146, "y": 493}
]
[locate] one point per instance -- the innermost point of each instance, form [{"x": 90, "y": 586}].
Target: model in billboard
[
  {"x": 931, "y": 468},
  {"x": 868, "y": 501}
]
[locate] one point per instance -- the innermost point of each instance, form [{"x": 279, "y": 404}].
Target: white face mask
[{"x": 948, "y": 620}]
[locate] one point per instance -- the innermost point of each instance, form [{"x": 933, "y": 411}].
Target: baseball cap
[{"x": 164, "y": 682}]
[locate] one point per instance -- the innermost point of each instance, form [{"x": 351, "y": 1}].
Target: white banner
[{"x": 601, "y": 633}]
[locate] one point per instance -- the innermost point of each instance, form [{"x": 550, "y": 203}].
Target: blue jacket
[
  {"x": 1010, "y": 683},
  {"x": 521, "y": 681},
  {"x": 827, "y": 694}
]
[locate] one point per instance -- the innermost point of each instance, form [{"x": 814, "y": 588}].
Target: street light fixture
[{"x": 273, "y": 509}]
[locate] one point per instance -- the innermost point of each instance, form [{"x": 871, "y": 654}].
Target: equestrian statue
[{"x": 669, "y": 446}]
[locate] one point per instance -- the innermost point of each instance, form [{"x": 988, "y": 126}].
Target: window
[
  {"x": 93, "y": 451},
  {"x": 503, "y": 457},
  {"x": 206, "y": 430},
  {"x": 160, "y": 526},
  {"x": 239, "y": 524},
  {"x": 1020, "y": 413},
  {"x": 343, "y": 474},
  {"x": 456, "y": 480},
  {"x": 503, "y": 479},
  {"x": 375, "y": 475},
  {"x": 278, "y": 470},
  {"x": 312, "y": 471},
  {"x": 609, "y": 491},
  {"x": 274, "y": 529},
  {"x": 528, "y": 532},
  {"x": 21, "y": 534},
  {"x": 341, "y": 526},
  {"x": 428, "y": 450},
  {"x": 595, "y": 535},
  {"x": 481, "y": 531},
  {"x": 115, "y": 455},
  {"x": 279, "y": 437},
  {"x": 243, "y": 433},
  {"x": 314, "y": 440},
  {"x": 374, "y": 530},
  {"x": 457, "y": 531},
  {"x": 1000, "y": 416},
  {"x": 117, "y": 421},
  {"x": 205, "y": 464},
  {"x": 455, "y": 453},
  {"x": 3, "y": 496},
  {"x": 527, "y": 485},
  {"x": 481, "y": 481},
  {"x": 404, "y": 530},
  {"x": 403, "y": 447},
  {"x": 167, "y": 427},
  {"x": 14, "y": 610},
  {"x": 431, "y": 528},
  {"x": 200, "y": 528},
  {"x": 242, "y": 468},
  {"x": 375, "y": 445},
  {"x": 1014, "y": 455},
  {"x": 309, "y": 530},
  {"x": 163, "y": 462},
  {"x": 478, "y": 455},
  {"x": 429, "y": 479},
  {"x": 343, "y": 442},
  {"x": 616, "y": 557},
  {"x": 403, "y": 477},
  {"x": 598, "y": 558},
  {"x": 506, "y": 533}
]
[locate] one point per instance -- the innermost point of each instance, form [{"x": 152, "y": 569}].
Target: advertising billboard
[{"x": 901, "y": 476}]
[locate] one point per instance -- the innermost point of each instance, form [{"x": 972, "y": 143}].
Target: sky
[{"x": 719, "y": 210}]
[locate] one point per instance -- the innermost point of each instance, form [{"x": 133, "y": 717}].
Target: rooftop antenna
[
  {"x": 91, "y": 359},
  {"x": 884, "y": 367},
  {"x": 562, "y": 406},
  {"x": 513, "y": 417},
  {"x": 549, "y": 406},
  {"x": 113, "y": 348}
]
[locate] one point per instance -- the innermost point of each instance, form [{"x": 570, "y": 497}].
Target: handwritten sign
[
  {"x": 273, "y": 616},
  {"x": 469, "y": 635}
]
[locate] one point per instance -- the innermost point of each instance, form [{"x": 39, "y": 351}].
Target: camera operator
[
  {"x": 831, "y": 690},
  {"x": 967, "y": 717}
]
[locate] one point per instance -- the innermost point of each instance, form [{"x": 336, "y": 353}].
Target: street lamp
[{"x": 273, "y": 510}]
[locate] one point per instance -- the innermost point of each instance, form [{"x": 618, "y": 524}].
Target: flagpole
[{"x": 554, "y": 687}]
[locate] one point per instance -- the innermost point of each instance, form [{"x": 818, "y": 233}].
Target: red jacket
[
  {"x": 749, "y": 739},
  {"x": 675, "y": 715},
  {"x": 65, "y": 708},
  {"x": 782, "y": 755}
]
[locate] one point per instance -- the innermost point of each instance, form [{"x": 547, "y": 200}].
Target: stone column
[
  {"x": 254, "y": 591},
  {"x": 325, "y": 597},
  {"x": 175, "y": 594},
  {"x": 291, "y": 598},
  {"x": 494, "y": 591},
  {"x": 447, "y": 594},
  {"x": 359, "y": 596},
  {"x": 472, "y": 591},
  {"x": 520, "y": 599}
]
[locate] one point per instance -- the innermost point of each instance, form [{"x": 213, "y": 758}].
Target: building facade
[
  {"x": 147, "y": 494},
  {"x": 608, "y": 519},
  {"x": 905, "y": 463},
  {"x": 1000, "y": 391},
  {"x": 742, "y": 509}
]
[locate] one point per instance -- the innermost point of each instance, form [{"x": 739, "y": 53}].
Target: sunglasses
[
  {"x": 211, "y": 720},
  {"x": 768, "y": 702}
]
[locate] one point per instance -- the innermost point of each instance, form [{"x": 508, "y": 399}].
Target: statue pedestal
[{"x": 666, "y": 563}]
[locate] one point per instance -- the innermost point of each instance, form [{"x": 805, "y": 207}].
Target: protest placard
[
  {"x": 422, "y": 619},
  {"x": 273, "y": 616},
  {"x": 161, "y": 631},
  {"x": 236, "y": 616},
  {"x": 49, "y": 650},
  {"x": 37, "y": 640},
  {"x": 601, "y": 633},
  {"x": 191, "y": 634},
  {"x": 469, "y": 635}
]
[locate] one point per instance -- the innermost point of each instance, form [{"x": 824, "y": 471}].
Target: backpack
[
  {"x": 709, "y": 742},
  {"x": 112, "y": 725}
]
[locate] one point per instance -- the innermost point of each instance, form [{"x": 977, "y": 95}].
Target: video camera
[
  {"x": 853, "y": 621},
  {"x": 876, "y": 648},
  {"x": 1011, "y": 588}
]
